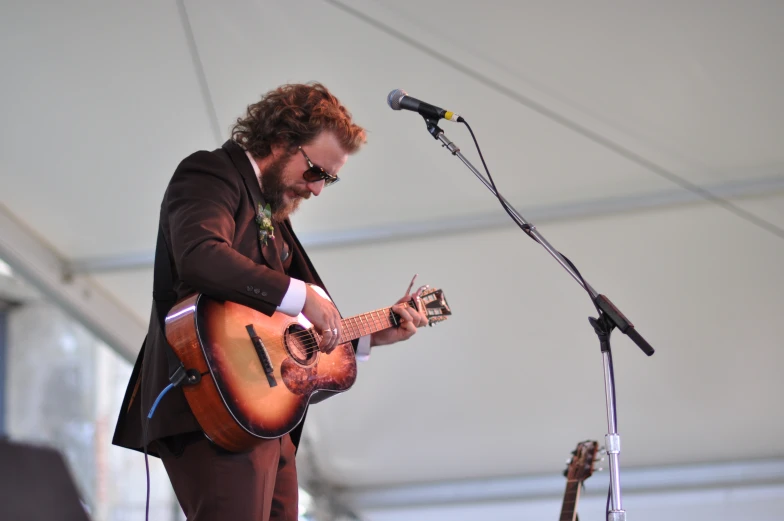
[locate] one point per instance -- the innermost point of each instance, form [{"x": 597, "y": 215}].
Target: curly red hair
[{"x": 293, "y": 115}]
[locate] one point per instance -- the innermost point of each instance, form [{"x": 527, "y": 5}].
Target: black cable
[
  {"x": 492, "y": 182},
  {"x": 145, "y": 425},
  {"x": 526, "y": 229},
  {"x": 147, "y": 468},
  {"x": 523, "y": 227},
  {"x": 615, "y": 419},
  {"x": 585, "y": 284},
  {"x": 612, "y": 390}
]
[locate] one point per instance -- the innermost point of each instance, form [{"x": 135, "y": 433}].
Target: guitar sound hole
[{"x": 301, "y": 344}]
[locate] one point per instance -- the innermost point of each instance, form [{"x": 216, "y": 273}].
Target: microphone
[{"x": 399, "y": 99}]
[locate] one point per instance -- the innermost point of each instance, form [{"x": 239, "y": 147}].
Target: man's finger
[
  {"x": 409, "y": 329},
  {"x": 337, "y": 332},
  {"x": 404, "y": 313},
  {"x": 324, "y": 343}
]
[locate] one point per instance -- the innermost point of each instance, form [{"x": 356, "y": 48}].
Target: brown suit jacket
[{"x": 208, "y": 221}]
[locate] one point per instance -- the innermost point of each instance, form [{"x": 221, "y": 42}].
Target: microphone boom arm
[
  {"x": 610, "y": 317},
  {"x": 529, "y": 228},
  {"x": 601, "y": 301}
]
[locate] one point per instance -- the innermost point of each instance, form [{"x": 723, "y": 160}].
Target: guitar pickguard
[{"x": 298, "y": 379}]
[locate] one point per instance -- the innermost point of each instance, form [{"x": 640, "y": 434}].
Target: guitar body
[{"x": 237, "y": 402}]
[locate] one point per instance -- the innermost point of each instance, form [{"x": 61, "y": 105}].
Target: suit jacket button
[
  {"x": 263, "y": 293},
  {"x": 256, "y": 291},
  {"x": 249, "y": 288}
]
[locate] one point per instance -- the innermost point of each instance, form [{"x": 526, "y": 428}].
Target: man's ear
[
  {"x": 276, "y": 149},
  {"x": 282, "y": 148}
]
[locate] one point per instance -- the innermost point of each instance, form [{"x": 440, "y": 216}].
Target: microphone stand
[{"x": 609, "y": 318}]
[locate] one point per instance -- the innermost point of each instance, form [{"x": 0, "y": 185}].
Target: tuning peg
[
  {"x": 418, "y": 293},
  {"x": 568, "y": 460},
  {"x": 566, "y": 473}
]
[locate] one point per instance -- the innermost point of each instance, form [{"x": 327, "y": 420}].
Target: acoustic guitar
[
  {"x": 251, "y": 376},
  {"x": 580, "y": 468}
]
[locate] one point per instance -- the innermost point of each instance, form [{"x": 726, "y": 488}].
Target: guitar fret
[
  {"x": 367, "y": 323},
  {"x": 353, "y": 328},
  {"x": 568, "y": 508},
  {"x": 348, "y": 327}
]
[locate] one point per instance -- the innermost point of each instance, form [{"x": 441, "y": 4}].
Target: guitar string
[
  {"x": 309, "y": 338},
  {"x": 310, "y": 331},
  {"x": 384, "y": 321},
  {"x": 311, "y": 344},
  {"x": 309, "y": 335}
]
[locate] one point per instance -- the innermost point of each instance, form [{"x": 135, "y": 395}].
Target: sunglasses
[{"x": 315, "y": 173}]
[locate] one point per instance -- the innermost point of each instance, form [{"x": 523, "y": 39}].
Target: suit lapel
[
  {"x": 242, "y": 164},
  {"x": 300, "y": 264}
]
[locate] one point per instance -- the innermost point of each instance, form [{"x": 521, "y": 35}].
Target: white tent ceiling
[{"x": 599, "y": 119}]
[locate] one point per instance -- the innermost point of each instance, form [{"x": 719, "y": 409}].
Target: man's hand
[
  {"x": 410, "y": 320},
  {"x": 325, "y": 318}
]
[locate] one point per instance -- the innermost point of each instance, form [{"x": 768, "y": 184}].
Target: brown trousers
[{"x": 216, "y": 485}]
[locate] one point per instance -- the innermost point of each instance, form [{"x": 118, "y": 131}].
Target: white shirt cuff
[
  {"x": 294, "y": 299},
  {"x": 363, "y": 348}
]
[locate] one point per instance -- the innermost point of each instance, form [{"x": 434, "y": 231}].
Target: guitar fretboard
[
  {"x": 367, "y": 323},
  {"x": 569, "y": 508}
]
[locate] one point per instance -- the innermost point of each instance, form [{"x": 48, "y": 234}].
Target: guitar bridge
[{"x": 263, "y": 355}]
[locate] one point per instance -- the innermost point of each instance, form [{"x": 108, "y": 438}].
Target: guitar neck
[
  {"x": 569, "y": 507},
  {"x": 368, "y": 323}
]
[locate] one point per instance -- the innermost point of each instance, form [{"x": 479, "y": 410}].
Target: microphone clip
[{"x": 432, "y": 127}]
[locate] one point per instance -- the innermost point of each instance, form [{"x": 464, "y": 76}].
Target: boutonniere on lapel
[{"x": 264, "y": 221}]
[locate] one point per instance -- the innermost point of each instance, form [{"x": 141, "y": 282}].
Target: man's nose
[{"x": 316, "y": 187}]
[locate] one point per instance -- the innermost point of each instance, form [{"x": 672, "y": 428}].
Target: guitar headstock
[
  {"x": 432, "y": 302},
  {"x": 581, "y": 466}
]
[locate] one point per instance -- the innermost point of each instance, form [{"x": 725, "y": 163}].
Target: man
[{"x": 213, "y": 240}]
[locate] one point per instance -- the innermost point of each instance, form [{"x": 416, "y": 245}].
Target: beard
[{"x": 274, "y": 189}]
